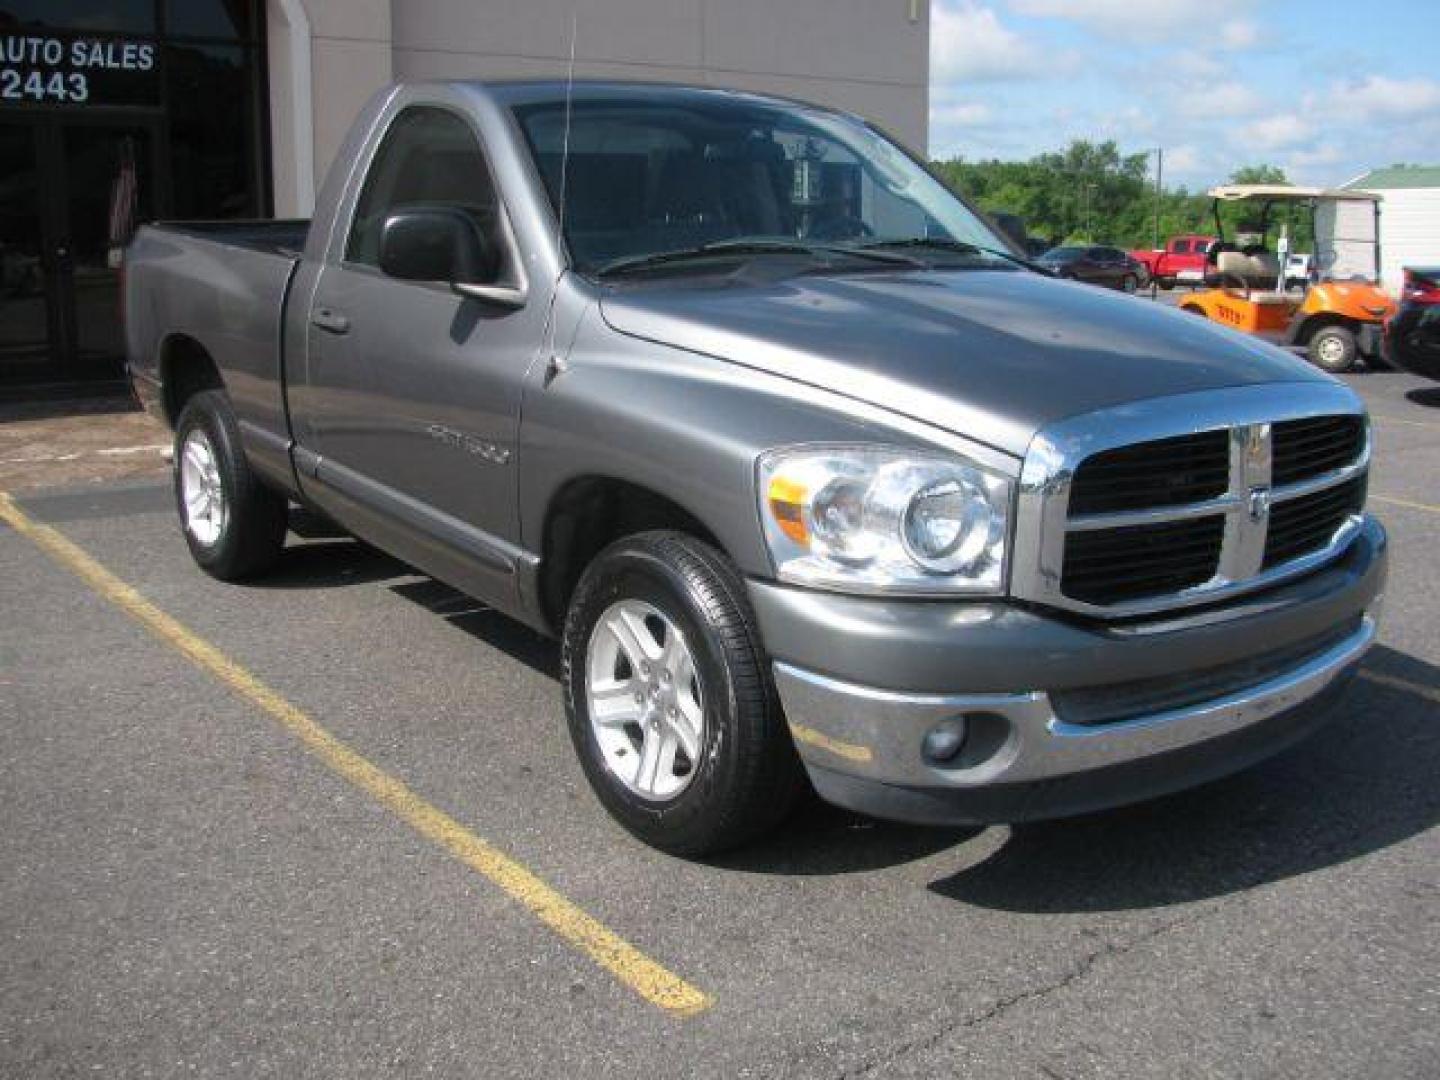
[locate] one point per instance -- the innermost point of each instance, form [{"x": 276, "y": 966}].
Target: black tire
[
  {"x": 1333, "y": 349},
  {"x": 1165, "y": 283},
  {"x": 748, "y": 774},
  {"x": 253, "y": 531},
  {"x": 1129, "y": 283}
]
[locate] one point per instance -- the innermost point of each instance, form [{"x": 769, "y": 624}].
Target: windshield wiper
[
  {"x": 751, "y": 246},
  {"x": 957, "y": 247}
]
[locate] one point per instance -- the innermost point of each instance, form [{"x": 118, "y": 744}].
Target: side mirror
[{"x": 436, "y": 243}]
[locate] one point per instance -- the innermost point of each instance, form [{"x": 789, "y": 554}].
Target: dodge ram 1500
[{"x": 812, "y": 477}]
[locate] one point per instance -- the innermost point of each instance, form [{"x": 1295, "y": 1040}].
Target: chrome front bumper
[
  {"x": 1191, "y": 700},
  {"x": 877, "y": 734}
]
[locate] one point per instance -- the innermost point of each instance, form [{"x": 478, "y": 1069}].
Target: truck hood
[{"x": 990, "y": 355}]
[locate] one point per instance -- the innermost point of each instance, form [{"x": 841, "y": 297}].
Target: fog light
[{"x": 943, "y": 742}]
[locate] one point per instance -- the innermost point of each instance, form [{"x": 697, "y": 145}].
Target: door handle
[{"x": 333, "y": 321}]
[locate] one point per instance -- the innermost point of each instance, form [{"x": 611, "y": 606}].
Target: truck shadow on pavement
[{"x": 1358, "y": 785}]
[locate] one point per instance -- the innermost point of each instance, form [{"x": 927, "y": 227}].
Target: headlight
[{"x": 884, "y": 520}]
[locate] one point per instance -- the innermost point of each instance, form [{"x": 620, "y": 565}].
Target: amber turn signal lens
[{"x": 787, "y": 504}]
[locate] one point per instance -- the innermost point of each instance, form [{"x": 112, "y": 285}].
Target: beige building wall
[{"x": 867, "y": 56}]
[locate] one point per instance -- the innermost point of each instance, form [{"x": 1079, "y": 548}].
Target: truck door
[{"x": 412, "y": 391}]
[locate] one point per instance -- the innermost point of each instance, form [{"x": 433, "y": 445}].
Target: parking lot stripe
[
  {"x": 582, "y": 931},
  {"x": 1406, "y": 503}
]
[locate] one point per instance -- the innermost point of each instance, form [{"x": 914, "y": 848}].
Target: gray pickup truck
[{"x": 813, "y": 476}]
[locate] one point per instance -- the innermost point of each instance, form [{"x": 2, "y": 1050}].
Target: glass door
[
  {"x": 73, "y": 192},
  {"x": 107, "y": 190},
  {"x": 27, "y": 318}
]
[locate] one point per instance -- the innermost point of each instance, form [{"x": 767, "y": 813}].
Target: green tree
[{"x": 1259, "y": 174}]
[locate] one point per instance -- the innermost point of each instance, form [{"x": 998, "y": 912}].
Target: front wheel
[
  {"x": 234, "y": 525},
  {"x": 1165, "y": 283},
  {"x": 669, "y": 698},
  {"x": 1129, "y": 283},
  {"x": 1334, "y": 349}
]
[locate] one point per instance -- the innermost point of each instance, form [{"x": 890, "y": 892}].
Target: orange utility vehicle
[{"x": 1336, "y": 317}]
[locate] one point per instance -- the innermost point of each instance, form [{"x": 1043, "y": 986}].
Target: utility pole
[{"x": 1159, "y": 173}]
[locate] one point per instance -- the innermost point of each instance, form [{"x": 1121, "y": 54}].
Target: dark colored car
[
  {"x": 1412, "y": 336},
  {"x": 1097, "y": 266}
]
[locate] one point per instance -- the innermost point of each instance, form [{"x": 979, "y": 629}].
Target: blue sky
[{"x": 1326, "y": 89}]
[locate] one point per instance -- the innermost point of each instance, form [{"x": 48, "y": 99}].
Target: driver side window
[{"x": 429, "y": 157}]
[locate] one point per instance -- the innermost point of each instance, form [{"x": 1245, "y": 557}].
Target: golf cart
[{"x": 1333, "y": 318}]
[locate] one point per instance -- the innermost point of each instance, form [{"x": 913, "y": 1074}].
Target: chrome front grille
[
  {"x": 1247, "y": 487},
  {"x": 1166, "y": 472}
]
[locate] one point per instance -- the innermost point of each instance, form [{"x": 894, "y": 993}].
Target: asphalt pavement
[{"x": 194, "y": 882}]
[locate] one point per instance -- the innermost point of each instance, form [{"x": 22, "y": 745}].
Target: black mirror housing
[{"x": 437, "y": 243}]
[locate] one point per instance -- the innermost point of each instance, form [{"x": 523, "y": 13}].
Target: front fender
[{"x": 688, "y": 427}]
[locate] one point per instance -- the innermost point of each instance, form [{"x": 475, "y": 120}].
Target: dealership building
[{"x": 114, "y": 112}]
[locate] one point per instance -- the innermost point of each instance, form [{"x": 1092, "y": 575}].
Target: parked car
[
  {"x": 1298, "y": 269},
  {"x": 1412, "y": 335},
  {"x": 1097, "y": 266},
  {"x": 1181, "y": 260},
  {"x": 808, "y": 484}
]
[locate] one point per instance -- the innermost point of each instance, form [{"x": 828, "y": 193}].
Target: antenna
[{"x": 555, "y": 364}]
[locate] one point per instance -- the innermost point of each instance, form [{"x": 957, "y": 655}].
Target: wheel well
[
  {"x": 185, "y": 370},
  {"x": 1315, "y": 323},
  {"x": 1194, "y": 309},
  {"x": 588, "y": 515}
]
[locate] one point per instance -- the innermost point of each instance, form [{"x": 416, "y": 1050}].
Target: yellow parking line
[
  {"x": 1406, "y": 503},
  {"x": 621, "y": 959}
]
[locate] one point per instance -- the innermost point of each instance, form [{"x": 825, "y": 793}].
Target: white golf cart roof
[{"x": 1284, "y": 192}]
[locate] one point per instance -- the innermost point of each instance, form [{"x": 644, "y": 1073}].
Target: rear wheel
[
  {"x": 1129, "y": 283},
  {"x": 669, "y": 698},
  {"x": 234, "y": 525},
  {"x": 1165, "y": 283},
  {"x": 1333, "y": 348}
]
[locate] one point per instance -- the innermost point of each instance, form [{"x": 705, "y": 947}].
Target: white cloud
[
  {"x": 1379, "y": 96},
  {"x": 961, "y": 114},
  {"x": 1276, "y": 132},
  {"x": 1323, "y": 154},
  {"x": 1219, "y": 99},
  {"x": 1149, "y": 20},
  {"x": 1183, "y": 159},
  {"x": 969, "y": 43},
  {"x": 1239, "y": 34}
]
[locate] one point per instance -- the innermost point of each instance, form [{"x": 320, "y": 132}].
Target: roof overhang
[{"x": 1287, "y": 193}]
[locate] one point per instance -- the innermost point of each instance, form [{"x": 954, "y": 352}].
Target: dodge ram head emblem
[{"x": 1259, "y": 503}]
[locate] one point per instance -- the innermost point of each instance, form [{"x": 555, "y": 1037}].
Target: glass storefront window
[
  {"x": 112, "y": 113},
  {"x": 210, "y": 136},
  {"x": 210, "y": 18},
  {"x": 100, "y": 16}
]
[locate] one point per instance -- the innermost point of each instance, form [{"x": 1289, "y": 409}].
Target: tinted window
[
  {"x": 124, "y": 16},
  {"x": 211, "y": 130},
  {"x": 210, "y": 18},
  {"x": 429, "y": 156},
  {"x": 1064, "y": 254},
  {"x": 1182, "y": 247}
]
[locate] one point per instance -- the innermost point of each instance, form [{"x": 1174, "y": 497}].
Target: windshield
[
  {"x": 1062, "y": 254},
  {"x": 650, "y": 177}
]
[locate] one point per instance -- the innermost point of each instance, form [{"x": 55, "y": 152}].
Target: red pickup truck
[{"x": 1182, "y": 259}]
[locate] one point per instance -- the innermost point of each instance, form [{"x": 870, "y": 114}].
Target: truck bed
[
  {"x": 216, "y": 288},
  {"x": 275, "y": 237}
]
